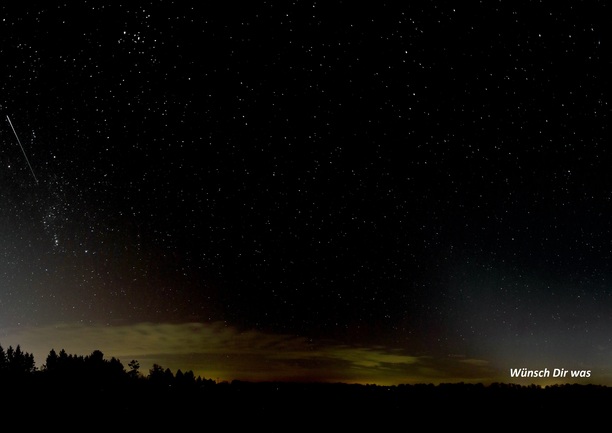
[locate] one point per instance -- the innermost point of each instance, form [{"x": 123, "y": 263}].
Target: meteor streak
[{"x": 24, "y": 154}]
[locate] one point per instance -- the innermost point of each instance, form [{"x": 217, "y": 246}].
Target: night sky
[{"x": 397, "y": 192}]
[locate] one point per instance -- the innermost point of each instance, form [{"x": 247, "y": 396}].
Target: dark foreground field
[{"x": 294, "y": 405}]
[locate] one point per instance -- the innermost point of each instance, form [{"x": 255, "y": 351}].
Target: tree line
[
  {"x": 75, "y": 381},
  {"x": 18, "y": 367}
]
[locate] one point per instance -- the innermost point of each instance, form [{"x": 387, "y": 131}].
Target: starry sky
[{"x": 403, "y": 192}]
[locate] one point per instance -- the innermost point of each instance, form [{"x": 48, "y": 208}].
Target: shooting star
[{"x": 24, "y": 154}]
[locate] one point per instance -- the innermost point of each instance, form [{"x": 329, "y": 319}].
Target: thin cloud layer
[{"x": 221, "y": 352}]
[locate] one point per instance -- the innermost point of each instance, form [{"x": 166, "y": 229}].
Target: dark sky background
[{"x": 394, "y": 192}]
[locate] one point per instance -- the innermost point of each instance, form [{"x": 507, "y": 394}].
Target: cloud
[{"x": 221, "y": 352}]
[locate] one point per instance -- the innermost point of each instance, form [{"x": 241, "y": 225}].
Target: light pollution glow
[{"x": 223, "y": 353}]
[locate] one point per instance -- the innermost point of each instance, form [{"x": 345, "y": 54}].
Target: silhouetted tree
[
  {"x": 134, "y": 366},
  {"x": 96, "y": 358},
  {"x": 168, "y": 377},
  {"x": 160, "y": 377},
  {"x": 185, "y": 380},
  {"x": 114, "y": 371},
  {"x": 63, "y": 356},
  {"x": 19, "y": 362},
  {"x": 204, "y": 383},
  {"x": 156, "y": 375},
  {"x": 52, "y": 361},
  {"x": 3, "y": 361}
]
